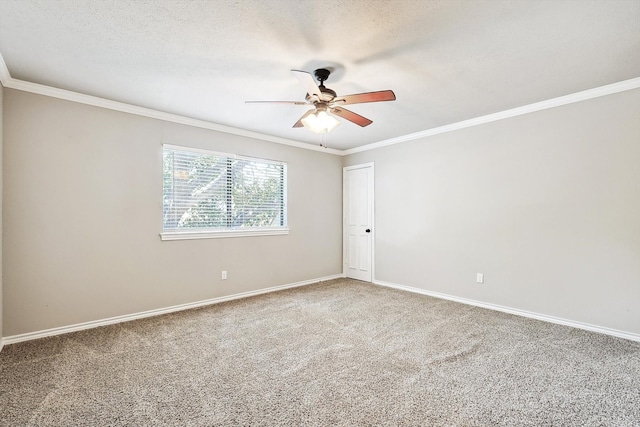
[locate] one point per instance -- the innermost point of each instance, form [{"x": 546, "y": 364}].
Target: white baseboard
[
  {"x": 517, "y": 312},
  {"x": 150, "y": 313}
]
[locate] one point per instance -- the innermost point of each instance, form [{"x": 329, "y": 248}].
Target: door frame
[{"x": 345, "y": 169}]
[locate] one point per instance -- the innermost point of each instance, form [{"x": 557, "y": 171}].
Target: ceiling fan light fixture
[{"x": 320, "y": 121}]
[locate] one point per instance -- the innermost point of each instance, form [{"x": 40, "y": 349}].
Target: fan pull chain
[{"x": 323, "y": 140}]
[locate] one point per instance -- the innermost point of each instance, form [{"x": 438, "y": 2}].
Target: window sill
[{"x": 191, "y": 235}]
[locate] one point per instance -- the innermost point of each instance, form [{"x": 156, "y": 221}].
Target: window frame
[{"x": 216, "y": 233}]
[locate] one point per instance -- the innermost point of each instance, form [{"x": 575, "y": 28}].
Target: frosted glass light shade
[{"x": 320, "y": 122}]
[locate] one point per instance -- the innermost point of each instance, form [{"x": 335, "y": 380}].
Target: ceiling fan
[{"x": 327, "y": 103}]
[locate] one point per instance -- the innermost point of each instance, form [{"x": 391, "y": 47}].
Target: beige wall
[
  {"x": 83, "y": 207},
  {"x": 546, "y": 205}
]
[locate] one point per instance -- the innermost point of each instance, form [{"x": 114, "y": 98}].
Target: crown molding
[
  {"x": 4, "y": 72},
  {"x": 526, "y": 109},
  {"x": 9, "y": 82},
  {"x": 155, "y": 114}
]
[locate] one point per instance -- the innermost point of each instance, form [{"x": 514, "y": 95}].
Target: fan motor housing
[{"x": 327, "y": 95}]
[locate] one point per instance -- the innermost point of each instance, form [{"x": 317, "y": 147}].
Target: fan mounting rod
[
  {"x": 325, "y": 95},
  {"x": 322, "y": 74}
]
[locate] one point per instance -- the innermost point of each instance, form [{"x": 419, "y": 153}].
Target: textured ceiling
[{"x": 447, "y": 61}]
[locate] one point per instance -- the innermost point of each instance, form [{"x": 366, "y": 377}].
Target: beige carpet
[{"x": 339, "y": 353}]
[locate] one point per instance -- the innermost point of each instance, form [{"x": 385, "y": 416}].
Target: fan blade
[
  {"x": 276, "y": 102},
  {"x": 308, "y": 82},
  {"x": 359, "y": 98},
  {"x": 351, "y": 116},
  {"x": 299, "y": 122}
]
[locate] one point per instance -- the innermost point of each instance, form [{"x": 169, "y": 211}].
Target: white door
[{"x": 358, "y": 221}]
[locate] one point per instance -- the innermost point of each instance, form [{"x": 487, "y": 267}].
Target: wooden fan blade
[
  {"x": 277, "y": 102},
  {"x": 308, "y": 82},
  {"x": 359, "y": 98},
  {"x": 351, "y": 116},
  {"x": 299, "y": 122}
]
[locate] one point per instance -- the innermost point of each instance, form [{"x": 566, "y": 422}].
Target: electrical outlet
[
  {"x": 480, "y": 278},
  {"x": 223, "y": 276}
]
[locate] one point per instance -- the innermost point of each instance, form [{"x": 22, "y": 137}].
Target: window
[{"x": 207, "y": 194}]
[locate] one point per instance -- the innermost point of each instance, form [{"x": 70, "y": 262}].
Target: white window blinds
[{"x": 215, "y": 192}]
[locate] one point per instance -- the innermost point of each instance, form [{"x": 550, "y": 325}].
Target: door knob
[{"x": 368, "y": 230}]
